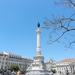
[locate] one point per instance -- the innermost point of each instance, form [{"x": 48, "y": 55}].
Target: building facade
[
  {"x": 66, "y": 65},
  {"x": 7, "y": 58},
  {"x": 63, "y": 66}
]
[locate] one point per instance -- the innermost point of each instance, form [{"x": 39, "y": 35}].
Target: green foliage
[
  {"x": 74, "y": 72},
  {"x": 53, "y": 70},
  {"x": 14, "y": 67}
]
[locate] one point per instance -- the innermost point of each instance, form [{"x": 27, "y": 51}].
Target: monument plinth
[{"x": 38, "y": 67}]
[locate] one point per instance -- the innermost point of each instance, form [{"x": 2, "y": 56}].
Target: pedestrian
[
  {"x": 67, "y": 73},
  {"x": 0, "y": 72},
  {"x": 18, "y": 72},
  {"x": 60, "y": 72},
  {"x": 12, "y": 73}
]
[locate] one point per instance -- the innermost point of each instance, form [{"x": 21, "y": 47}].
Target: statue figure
[{"x": 38, "y": 24}]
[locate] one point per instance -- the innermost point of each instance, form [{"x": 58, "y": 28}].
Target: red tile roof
[{"x": 68, "y": 60}]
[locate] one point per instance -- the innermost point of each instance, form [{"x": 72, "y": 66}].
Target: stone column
[{"x": 38, "y": 31}]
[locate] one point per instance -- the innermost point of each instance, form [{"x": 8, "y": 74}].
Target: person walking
[
  {"x": 13, "y": 73},
  {"x": 18, "y": 72}
]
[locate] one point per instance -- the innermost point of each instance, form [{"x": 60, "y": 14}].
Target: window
[
  {"x": 2, "y": 62},
  {"x": 5, "y": 67},
  {"x": 3, "y": 58},
  {"x": 6, "y": 58},
  {"x": 1, "y": 67},
  {"x": 64, "y": 68},
  {"x": 6, "y": 63}
]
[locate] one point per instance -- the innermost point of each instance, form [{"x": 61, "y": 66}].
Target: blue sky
[{"x": 18, "y": 23}]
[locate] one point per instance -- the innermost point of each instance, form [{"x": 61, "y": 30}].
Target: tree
[
  {"x": 53, "y": 70},
  {"x": 62, "y": 26},
  {"x": 14, "y": 67}
]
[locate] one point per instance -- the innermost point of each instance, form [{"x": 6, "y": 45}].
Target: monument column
[
  {"x": 38, "y": 66},
  {"x": 38, "y": 31}
]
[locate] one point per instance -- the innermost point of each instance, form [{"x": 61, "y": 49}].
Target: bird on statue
[{"x": 38, "y": 24}]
